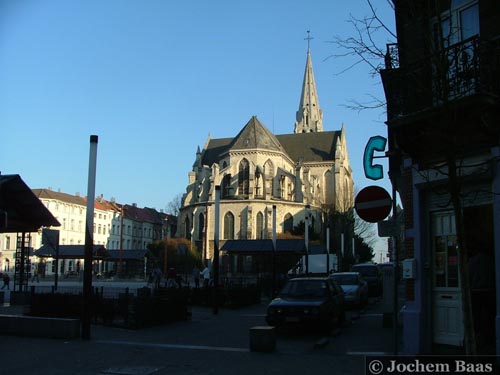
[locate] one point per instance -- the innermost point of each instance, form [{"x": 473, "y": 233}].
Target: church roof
[
  {"x": 255, "y": 135},
  {"x": 306, "y": 147},
  {"x": 310, "y": 147}
]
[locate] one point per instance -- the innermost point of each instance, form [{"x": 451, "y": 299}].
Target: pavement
[{"x": 206, "y": 344}]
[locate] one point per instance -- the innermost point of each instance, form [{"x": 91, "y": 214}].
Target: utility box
[{"x": 409, "y": 269}]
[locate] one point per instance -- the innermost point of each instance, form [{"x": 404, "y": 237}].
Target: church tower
[{"x": 309, "y": 117}]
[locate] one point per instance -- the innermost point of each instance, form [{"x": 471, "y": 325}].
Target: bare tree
[{"x": 174, "y": 206}]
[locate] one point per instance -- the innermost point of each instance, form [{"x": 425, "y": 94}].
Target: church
[{"x": 304, "y": 174}]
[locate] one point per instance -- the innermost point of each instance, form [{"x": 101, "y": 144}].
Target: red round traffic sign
[{"x": 373, "y": 204}]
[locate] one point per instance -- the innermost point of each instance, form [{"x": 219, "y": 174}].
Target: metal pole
[
  {"x": 89, "y": 231},
  {"x": 120, "y": 269},
  {"x": 342, "y": 251},
  {"x": 56, "y": 277},
  {"x": 327, "y": 250},
  {"x": 306, "y": 239},
  {"x": 273, "y": 292},
  {"x": 396, "y": 270},
  {"x": 216, "y": 251}
]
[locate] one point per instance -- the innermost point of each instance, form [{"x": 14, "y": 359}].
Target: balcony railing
[{"x": 464, "y": 69}]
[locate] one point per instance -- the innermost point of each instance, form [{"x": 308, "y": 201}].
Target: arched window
[
  {"x": 243, "y": 226},
  {"x": 201, "y": 225},
  {"x": 329, "y": 190},
  {"x": 226, "y": 186},
  {"x": 288, "y": 223},
  {"x": 259, "y": 233},
  {"x": 229, "y": 226},
  {"x": 268, "y": 177},
  {"x": 187, "y": 229},
  {"x": 244, "y": 177}
]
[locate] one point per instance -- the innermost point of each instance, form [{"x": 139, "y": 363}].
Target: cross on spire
[{"x": 309, "y": 38}]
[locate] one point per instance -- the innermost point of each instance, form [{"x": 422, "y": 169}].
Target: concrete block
[{"x": 262, "y": 339}]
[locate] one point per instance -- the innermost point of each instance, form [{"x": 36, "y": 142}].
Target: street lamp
[
  {"x": 308, "y": 208},
  {"x": 165, "y": 264}
]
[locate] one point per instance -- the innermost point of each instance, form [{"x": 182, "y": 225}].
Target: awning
[
  {"x": 25, "y": 212},
  {"x": 71, "y": 252},
  {"x": 260, "y": 247},
  {"x": 136, "y": 254}
]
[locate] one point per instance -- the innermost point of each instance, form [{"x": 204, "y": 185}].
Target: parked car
[
  {"x": 372, "y": 275},
  {"x": 354, "y": 287},
  {"x": 307, "y": 301}
]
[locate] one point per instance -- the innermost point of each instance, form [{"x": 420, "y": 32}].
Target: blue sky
[{"x": 153, "y": 78}]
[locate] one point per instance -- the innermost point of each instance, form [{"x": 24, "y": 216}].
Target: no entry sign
[{"x": 373, "y": 204}]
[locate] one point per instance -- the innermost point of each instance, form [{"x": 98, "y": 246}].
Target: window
[
  {"x": 229, "y": 226},
  {"x": 243, "y": 226},
  {"x": 259, "y": 234},
  {"x": 453, "y": 34},
  {"x": 329, "y": 190},
  {"x": 244, "y": 177},
  {"x": 201, "y": 225},
  {"x": 226, "y": 186},
  {"x": 288, "y": 223},
  {"x": 187, "y": 229}
]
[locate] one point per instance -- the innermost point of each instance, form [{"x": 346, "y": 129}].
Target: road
[{"x": 207, "y": 344}]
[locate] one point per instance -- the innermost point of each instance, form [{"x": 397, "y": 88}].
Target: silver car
[{"x": 354, "y": 287}]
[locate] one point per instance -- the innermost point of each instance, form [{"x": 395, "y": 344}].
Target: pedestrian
[
  {"x": 35, "y": 275},
  {"x": 151, "y": 278},
  {"x": 6, "y": 281},
  {"x": 158, "y": 276},
  {"x": 172, "y": 281},
  {"x": 206, "y": 276},
  {"x": 196, "y": 276}
]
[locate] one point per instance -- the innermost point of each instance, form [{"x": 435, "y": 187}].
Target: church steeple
[{"x": 309, "y": 117}]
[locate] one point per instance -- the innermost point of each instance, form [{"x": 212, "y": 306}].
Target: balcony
[{"x": 464, "y": 70}]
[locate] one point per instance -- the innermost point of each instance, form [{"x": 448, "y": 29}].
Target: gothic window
[
  {"x": 288, "y": 223},
  {"x": 329, "y": 189},
  {"x": 260, "y": 226},
  {"x": 187, "y": 229},
  {"x": 201, "y": 225},
  {"x": 282, "y": 187},
  {"x": 226, "y": 186},
  {"x": 267, "y": 177},
  {"x": 243, "y": 226},
  {"x": 244, "y": 177},
  {"x": 229, "y": 226}
]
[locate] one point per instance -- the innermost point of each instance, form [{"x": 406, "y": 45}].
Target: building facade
[
  {"x": 118, "y": 228},
  {"x": 303, "y": 174},
  {"x": 442, "y": 84}
]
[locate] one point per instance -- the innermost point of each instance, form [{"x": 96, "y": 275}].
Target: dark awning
[
  {"x": 25, "y": 212},
  {"x": 71, "y": 252},
  {"x": 134, "y": 254},
  {"x": 256, "y": 247}
]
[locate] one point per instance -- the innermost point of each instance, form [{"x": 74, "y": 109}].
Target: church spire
[{"x": 309, "y": 117}]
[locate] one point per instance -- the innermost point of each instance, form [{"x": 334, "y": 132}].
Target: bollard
[{"x": 262, "y": 339}]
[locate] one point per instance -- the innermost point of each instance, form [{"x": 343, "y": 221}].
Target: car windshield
[
  {"x": 346, "y": 279},
  {"x": 304, "y": 289}
]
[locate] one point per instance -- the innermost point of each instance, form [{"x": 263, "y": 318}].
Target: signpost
[{"x": 373, "y": 204}]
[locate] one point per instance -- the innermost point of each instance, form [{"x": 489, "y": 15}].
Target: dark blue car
[{"x": 307, "y": 301}]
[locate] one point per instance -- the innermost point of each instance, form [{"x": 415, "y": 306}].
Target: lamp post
[
  {"x": 216, "y": 250},
  {"x": 308, "y": 207},
  {"x": 165, "y": 257}
]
